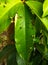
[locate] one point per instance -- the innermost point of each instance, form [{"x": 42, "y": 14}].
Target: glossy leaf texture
[
  {"x": 45, "y": 8},
  {"x": 36, "y": 7},
  {"x": 24, "y": 31},
  {"x": 7, "y": 12}
]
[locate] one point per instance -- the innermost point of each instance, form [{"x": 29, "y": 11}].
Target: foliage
[{"x": 29, "y": 36}]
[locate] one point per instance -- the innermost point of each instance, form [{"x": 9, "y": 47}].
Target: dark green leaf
[
  {"x": 24, "y": 32},
  {"x": 11, "y": 60},
  {"x": 6, "y": 51}
]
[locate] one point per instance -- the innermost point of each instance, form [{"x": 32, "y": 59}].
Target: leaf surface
[
  {"x": 45, "y": 8},
  {"x": 36, "y": 7},
  {"x": 24, "y": 32},
  {"x": 7, "y": 12}
]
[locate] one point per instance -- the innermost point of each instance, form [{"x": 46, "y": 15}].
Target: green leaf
[
  {"x": 46, "y": 55},
  {"x": 7, "y": 12},
  {"x": 45, "y": 8},
  {"x": 24, "y": 31},
  {"x": 46, "y": 52},
  {"x": 45, "y": 22},
  {"x": 20, "y": 61},
  {"x": 38, "y": 26},
  {"x": 36, "y": 7}
]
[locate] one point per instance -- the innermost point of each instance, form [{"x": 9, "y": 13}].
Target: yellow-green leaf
[
  {"x": 45, "y": 8},
  {"x": 7, "y": 12}
]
